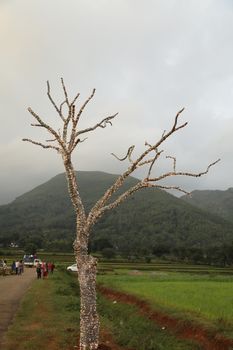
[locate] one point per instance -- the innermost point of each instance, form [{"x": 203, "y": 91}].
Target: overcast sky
[{"x": 147, "y": 59}]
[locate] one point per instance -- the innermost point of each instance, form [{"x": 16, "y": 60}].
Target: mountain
[
  {"x": 216, "y": 202},
  {"x": 150, "y": 218}
]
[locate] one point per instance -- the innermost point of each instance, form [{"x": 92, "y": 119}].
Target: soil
[
  {"x": 12, "y": 289},
  {"x": 182, "y": 329},
  {"x": 107, "y": 342}
]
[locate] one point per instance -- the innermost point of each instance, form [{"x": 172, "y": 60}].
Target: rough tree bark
[{"x": 65, "y": 142}]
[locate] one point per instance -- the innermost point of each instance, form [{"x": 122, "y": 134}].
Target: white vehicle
[
  {"x": 72, "y": 268},
  {"x": 37, "y": 261},
  {"x": 30, "y": 261}
]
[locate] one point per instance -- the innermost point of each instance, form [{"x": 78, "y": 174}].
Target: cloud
[{"x": 146, "y": 60}]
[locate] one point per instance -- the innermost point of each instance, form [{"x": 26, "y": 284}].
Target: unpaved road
[{"x": 12, "y": 289}]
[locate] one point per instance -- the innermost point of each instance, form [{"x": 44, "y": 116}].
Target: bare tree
[{"x": 64, "y": 141}]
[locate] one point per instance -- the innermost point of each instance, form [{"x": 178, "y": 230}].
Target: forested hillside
[
  {"x": 216, "y": 202},
  {"x": 148, "y": 221}
]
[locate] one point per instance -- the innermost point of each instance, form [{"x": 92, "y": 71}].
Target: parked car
[
  {"x": 72, "y": 268},
  {"x": 28, "y": 260}
]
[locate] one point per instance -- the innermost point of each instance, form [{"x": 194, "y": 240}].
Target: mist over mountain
[
  {"x": 216, "y": 202},
  {"x": 148, "y": 219}
]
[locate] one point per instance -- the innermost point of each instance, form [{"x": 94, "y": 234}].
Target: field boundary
[{"x": 209, "y": 340}]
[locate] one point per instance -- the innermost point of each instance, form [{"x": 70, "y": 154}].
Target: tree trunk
[{"x": 89, "y": 320}]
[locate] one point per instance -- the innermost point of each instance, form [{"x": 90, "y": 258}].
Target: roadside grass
[
  {"x": 206, "y": 299},
  {"x": 48, "y": 317},
  {"x": 134, "y": 331}
]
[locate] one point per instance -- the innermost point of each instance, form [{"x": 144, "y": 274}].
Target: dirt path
[
  {"x": 12, "y": 288},
  {"x": 182, "y": 329}
]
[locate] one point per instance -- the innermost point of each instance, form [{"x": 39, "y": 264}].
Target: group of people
[
  {"x": 43, "y": 269},
  {"x": 17, "y": 267}
]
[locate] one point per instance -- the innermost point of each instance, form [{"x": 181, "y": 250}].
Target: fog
[{"x": 146, "y": 60}]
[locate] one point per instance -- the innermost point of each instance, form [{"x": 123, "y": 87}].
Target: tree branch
[
  {"x": 140, "y": 161},
  {"x": 65, "y": 92},
  {"x": 153, "y": 161},
  {"x": 147, "y": 182},
  {"x": 102, "y": 124},
  {"x": 49, "y": 128},
  {"x": 180, "y": 173},
  {"x": 128, "y": 155},
  {"x": 42, "y": 145},
  {"x": 84, "y": 105},
  {"x": 59, "y": 111},
  {"x": 98, "y": 213},
  {"x": 174, "y": 162},
  {"x": 177, "y": 188},
  {"x": 75, "y": 99}
]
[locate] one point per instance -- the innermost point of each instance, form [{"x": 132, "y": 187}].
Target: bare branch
[
  {"x": 180, "y": 173},
  {"x": 177, "y": 188},
  {"x": 147, "y": 144},
  {"x": 164, "y": 136},
  {"x": 61, "y": 106},
  {"x": 120, "y": 180},
  {"x": 140, "y": 160},
  {"x": 66, "y": 124},
  {"x": 153, "y": 161},
  {"x": 75, "y": 120},
  {"x": 39, "y": 125},
  {"x": 53, "y": 140},
  {"x": 78, "y": 141},
  {"x": 53, "y": 103},
  {"x": 42, "y": 145},
  {"x": 84, "y": 105},
  {"x": 176, "y": 119},
  {"x": 65, "y": 91},
  {"x": 102, "y": 124},
  {"x": 81, "y": 141},
  {"x": 174, "y": 162},
  {"x": 75, "y": 99},
  {"x": 99, "y": 209},
  {"x": 164, "y": 132},
  {"x": 128, "y": 155},
  {"x": 49, "y": 128},
  {"x": 148, "y": 161},
  {"x": 92, "y": 218}
]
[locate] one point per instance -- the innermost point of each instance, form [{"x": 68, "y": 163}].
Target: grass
[
  {"x": 49, "y": 314},
  {"x": 132, "y": 330},
  {"x": 169, "y": 267},
  {"x": 48, "y": 317},
  {"x": 206, "y": 298}
]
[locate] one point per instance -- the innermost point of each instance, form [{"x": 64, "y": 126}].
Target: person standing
[
  {"x": 13, "y": 267},
  {"x": 20, "y": 268},
  {"x": 17, "y": 267},
  {"x": 38, "y": 270},
  {"x": 44, "y": 269},
  {"x": 52, "y": 267},
  {"x": 4, "y": 267}
]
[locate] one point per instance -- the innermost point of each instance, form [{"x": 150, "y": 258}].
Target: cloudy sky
[{"x": 147, "y": 59}]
